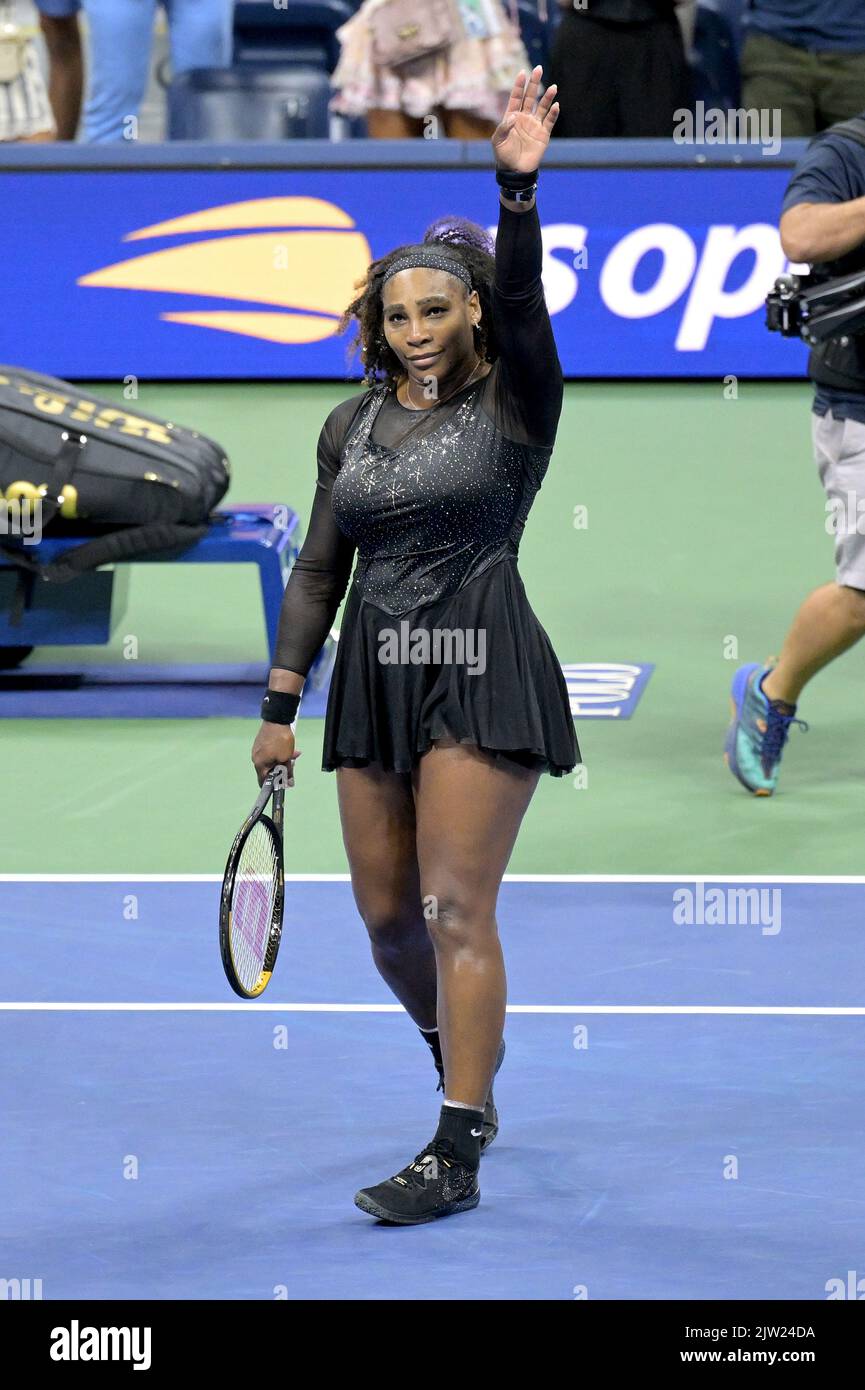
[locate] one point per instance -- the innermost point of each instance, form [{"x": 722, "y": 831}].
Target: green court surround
[{"x": 706, "y": 523}]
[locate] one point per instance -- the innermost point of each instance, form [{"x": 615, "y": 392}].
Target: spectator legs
[
  {"x": 655, "y": 81},
  {"x": 457, "y": 125},
  {"x": 618, "y": 80},
  {"x": 583, "y": 64},
  {"x": 392, "y": 125},
  {"x": 66, "y": 77},
  {"x": 464, "y": 125},
  {"x": 200, "y": 33},
  {"x": 121, "y": 37},
  {"x": 842, "y": 87},
  {"x": 121, "y": 40},
  {"x": 779, "y": 77}
]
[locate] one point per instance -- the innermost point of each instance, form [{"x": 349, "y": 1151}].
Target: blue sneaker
[{"x": 757, "y": 733}]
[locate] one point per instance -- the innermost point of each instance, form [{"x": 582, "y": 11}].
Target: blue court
[{"x": 681, "y": 1103}]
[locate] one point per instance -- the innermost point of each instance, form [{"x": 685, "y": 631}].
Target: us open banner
[{"x": 208, "y": 274}]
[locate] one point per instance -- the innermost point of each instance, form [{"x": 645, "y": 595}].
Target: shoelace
[
  {"x": 777, "y": 729},
  {"x": 415, "y": 1174}
]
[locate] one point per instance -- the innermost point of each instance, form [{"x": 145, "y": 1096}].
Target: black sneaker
[
  {"x": 490, "y": 1124},
  {"x": 434, "y": 1184}
]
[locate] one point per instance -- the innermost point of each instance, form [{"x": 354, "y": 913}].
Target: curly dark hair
[{"x": 474, "y": 247}]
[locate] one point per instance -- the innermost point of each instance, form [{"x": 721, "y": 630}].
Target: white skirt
[
  {"x": 24, "y": 105},
  {"x": 473, "y": 74}
]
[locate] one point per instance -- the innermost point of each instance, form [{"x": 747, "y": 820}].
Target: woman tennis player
[{"x": 446, "y": 701}]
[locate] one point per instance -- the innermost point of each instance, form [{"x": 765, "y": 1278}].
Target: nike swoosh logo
[{"x": 476, "y": 1133}]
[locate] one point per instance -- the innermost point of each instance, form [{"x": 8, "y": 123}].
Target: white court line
[
  {"x": 705, "y": 1009},
  {"x": 793, "y": 1010},
  {"x": 508, "y": 878}
]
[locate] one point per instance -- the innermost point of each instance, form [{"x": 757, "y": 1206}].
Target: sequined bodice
[
  {"x": 421, "y": 508},
  {"x": 434, "y": 513}
]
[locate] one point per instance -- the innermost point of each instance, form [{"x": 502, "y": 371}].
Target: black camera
[
  {"x": 783, "y": 305},
  {"x": 813, "y": 307}
]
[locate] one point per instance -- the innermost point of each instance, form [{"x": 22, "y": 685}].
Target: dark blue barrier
[
  {"x": 393, "y": 154},
  {"x": 194, "y": 261}
]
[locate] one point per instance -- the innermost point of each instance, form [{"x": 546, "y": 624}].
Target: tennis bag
[{"x": 136, "y": 484}]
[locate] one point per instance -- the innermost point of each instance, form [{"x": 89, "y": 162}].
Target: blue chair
[
  {"x": 88, "y": 609},
  {"x": 304, "y": 31},
  {"x": 265, "y": 103}
]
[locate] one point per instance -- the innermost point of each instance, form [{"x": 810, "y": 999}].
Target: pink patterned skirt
[{"x": 473, "y": 74}]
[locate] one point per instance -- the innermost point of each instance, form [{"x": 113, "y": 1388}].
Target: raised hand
[{"x": 524, "y": 132}]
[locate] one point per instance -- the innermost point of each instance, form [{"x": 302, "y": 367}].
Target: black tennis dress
[{"x": 438, "y": 637}]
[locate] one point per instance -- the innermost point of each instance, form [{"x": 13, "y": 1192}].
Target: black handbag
[{"x": 135, "y": 483}]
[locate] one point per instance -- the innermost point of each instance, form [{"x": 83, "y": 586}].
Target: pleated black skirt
[{"x": 507, "y": 695}]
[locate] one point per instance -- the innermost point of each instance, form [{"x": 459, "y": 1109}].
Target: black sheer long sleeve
[
  {"x": 530, "y": 386},
  {"x": 320, "y": 575}
]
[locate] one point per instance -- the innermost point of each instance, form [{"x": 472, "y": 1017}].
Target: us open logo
[
  {"x": 282, "y": 270},
  {"x": 605, "y": 689},
  {"x": 298, "y": 257}
]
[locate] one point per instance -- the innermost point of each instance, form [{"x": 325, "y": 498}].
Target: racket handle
[
  {"x": 268, "y": 789},
  {"x": 265, "y": 794}
]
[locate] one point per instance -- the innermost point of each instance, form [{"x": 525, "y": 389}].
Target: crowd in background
[{"x": 78, "y": 69}]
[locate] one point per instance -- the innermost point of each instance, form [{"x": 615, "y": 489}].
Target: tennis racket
[{"x": 253, "y": 893}]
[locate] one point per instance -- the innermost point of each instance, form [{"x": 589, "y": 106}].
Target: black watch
[{"x": 519, "y": 195}]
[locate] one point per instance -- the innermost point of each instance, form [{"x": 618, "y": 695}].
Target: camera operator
[{"x": 822, "y": 223}]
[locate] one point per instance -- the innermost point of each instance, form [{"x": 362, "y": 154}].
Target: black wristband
[
  {"x": 515, "y": 182},
  {"x": 518, "y": 196},
  {"x": 279, "y": 707}
]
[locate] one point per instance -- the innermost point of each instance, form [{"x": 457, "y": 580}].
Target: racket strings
[{"x": 253, "y": 900}]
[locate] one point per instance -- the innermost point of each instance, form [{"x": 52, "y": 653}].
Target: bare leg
[
  {"x": 469, "y": 809},
  {"x": 66, "y": 72},
  {"x": 829, "y": 622},
  {"x": 463, "y": 125},
  {"x": 378, "y": 829},
  {"x": 391, "y": 125}
]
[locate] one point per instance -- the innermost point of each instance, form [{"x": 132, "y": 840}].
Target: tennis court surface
[{"x": 681, "y": 1103}]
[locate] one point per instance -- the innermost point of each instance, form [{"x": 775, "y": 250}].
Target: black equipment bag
[{"x": 98, "y": 466}]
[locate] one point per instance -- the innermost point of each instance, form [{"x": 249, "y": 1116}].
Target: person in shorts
[{"x": 822, "y": 224}]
